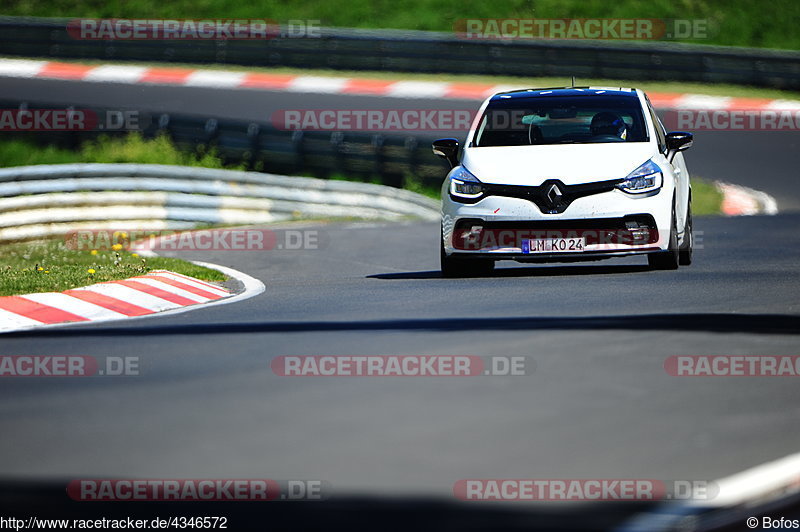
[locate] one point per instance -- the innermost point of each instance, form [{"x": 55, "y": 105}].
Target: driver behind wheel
[{"x": 607, "y": 124}]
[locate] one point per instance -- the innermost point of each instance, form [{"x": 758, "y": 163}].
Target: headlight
[
  {"x": 646, "y": 178},
  {"x": 465, "y": 185}
]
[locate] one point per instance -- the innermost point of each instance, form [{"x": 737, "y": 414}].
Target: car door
[{"x": 677, "y": 167}]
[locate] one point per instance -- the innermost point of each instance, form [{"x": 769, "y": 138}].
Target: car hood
[{"x": 569, "y": 163}]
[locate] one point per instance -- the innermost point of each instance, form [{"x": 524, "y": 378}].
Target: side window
[{"x": 660, "y": 134}]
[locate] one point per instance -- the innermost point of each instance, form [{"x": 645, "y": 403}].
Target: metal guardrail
[
  {"x": 390, "y": 159},
  {"x": 418, "y": 51},
  {"x": 46, "y": 200}
]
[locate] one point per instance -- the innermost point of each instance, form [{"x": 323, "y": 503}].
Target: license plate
[{"x": 554, "y": 245}]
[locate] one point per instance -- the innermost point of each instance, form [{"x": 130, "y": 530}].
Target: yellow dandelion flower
[
  {"x": 47, "y": 271},
  {"x": 91, "y": 271},
  {"x": 116, "y": 247},
  {"x": 39, "y": 269},
  {"x": 93, "y": 252},
  {"x": 134, "y": 255}
]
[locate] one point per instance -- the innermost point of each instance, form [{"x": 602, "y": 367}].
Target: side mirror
[
  {"x": 448, "y": 149},
  {"x": 678, "y": 141}
]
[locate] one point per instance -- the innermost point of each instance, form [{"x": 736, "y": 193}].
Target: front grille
[
  {"x": 475, "y": 234},
  {"x": 545, "y": 197}
]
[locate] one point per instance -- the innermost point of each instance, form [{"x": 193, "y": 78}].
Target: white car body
[{"x": 530, "y": 169}]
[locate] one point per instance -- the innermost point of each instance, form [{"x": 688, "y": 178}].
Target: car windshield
[{"x": 537, "y": 120}]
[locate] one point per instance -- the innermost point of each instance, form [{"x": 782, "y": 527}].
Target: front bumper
[{"x": 497, "y": 226}]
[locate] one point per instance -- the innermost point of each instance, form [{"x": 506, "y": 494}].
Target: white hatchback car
[{"x": 562, "y": 175}]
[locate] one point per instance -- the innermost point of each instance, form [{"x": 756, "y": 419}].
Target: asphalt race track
[{"x": 599, "y": 403}]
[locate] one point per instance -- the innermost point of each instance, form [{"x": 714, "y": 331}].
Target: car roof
[{"x": 566, "y": 91}]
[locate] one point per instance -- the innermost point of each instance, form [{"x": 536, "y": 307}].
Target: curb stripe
[
  {"x": 468, "y": 91},
  {"x": 267, "y": 81},
  {"x": 11, "y": 320},
  {"x": 117, "y": 305},
  {"x": 750, "y": 103},
  {"x": 232, "y": 79},
  {"x": 172, "y": 290},
  {"x": 166, "y": 75},
  {"x": 81, "y": 308},
  {"x": 366, "y": 86},
  {"x": 183, "y": 286},
  {"x": 142, "y": 296},
  {"x": 317, "y": 84},
  {"x": 37, "y": 311},
  {"x": 190, "y": 279},
  {"x": 418, "y": 89},
  {"x": 21, "y": 68},
  {"x": 65, "y": 71},
  {"x": 153, "y": 291},
  {"x": 213, "y": 78},
  {"x": 136, "y": 297},
  {"x": 743, "y": 201},
  {"x": 221, "y": 292},
  {"x": 116, "y": 74},
  {"x": 666, "y": 100}
]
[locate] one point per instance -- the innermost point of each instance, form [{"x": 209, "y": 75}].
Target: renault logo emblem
[{"x": 554, "y": 194}]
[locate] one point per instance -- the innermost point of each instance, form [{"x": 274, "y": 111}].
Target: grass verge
[
  {"x": 706, "y": 198},
  {"x": 732, "y": 22},
  {"x": 50, "y": 266},
  {"x": 131, "y": 148}
]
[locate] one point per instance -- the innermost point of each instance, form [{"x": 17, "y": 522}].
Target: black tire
[
  {"x": 453, "y": 267},
  {"x": 685, "y": 252},
  {"x": 667, "y": 260}
]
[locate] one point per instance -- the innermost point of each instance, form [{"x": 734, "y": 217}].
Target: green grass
[
  {"x": 738, "y": 22},
  {"x": 132, "y": 148},
  {"x": 414, "y": 184},
  {"x": 50, "y": 266},
  {"x": 706, "y": 199}
]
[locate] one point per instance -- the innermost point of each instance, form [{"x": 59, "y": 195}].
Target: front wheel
[
  {"x": 453, "y": 267},
  {"x": 669, "y": 259},
  {"x": 685, "y": 253}
]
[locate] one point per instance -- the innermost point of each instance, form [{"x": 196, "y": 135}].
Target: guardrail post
[
  {"x": 73, "y": 139},
  {"x": 297, "y": 148},
  {"x": 163, "y": 126},
  {"x": 411, "y": 145},
  {"x": 337, "y": 141},
  {"x": 379, "y": 161},
  {"x": 211, "y": 129},
  {"x": 221, "y": 51},
  {"x": 252, "y": 157}
]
